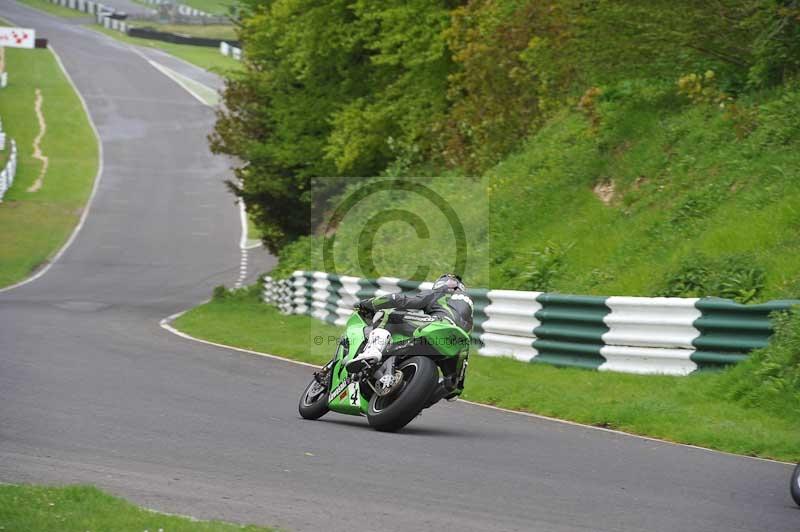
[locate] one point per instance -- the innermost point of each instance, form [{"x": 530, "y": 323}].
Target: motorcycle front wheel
[
  {"x": 393, "y": 412},
  {"x": 796, "y": 485},
  {"x": 314, "y": 400}
]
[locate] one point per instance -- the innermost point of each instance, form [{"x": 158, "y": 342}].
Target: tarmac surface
[{"x": 92, "y": 390}]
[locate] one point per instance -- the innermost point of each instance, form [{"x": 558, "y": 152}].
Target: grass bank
[
  {"x": 45, "y": 509},
  {"x": 692, "y": 410},
  {"x": 34, "y": 225},
  {"x": 54, "y": 9},
  {"x": 642, "y": 193},
  {"x": 215, "y": 7},
  {"x": 205, "y": 57}
]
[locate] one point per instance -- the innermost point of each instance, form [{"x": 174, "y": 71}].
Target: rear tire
[
  {"x": 392, "y": 413},
  {"x": 796, "y": 485},
  {"x": 314, "y": 400}
]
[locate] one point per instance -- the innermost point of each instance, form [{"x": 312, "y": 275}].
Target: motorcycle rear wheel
[
  {"x": 796, "y": 485},
  {"x": 314, "y": 401},
  {"x": 393, "y": 412}
]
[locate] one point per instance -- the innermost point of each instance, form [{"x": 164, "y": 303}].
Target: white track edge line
[
  {"x": 185, "y": 86},
  {"x": 166, "y": 324},
  {"x": 166, "y": 71},
  {"x": 95, "y": 187},
  {"x": 243, "y": 221},
  {"x": 156, "y": 50}
]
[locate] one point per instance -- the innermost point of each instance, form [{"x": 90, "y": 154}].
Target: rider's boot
[{"x": 378, "y": 341}]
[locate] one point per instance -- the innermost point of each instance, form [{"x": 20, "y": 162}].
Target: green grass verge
[
  {"x": 54, "y": 9},
  {"x": 690, "y": 410},
  {"x": 205, "y": 57},
  {"x": 253, "y": 232},
  {"x": 35, "y": 224},
  {"x": 215, "y": 7},
  {"x": 45, "y": 509},
  {"x": 209, "y": 31},
  {"x": 212, "y": 7}
]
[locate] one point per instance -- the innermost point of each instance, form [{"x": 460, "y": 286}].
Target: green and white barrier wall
[
  {"x": 9, "y": 171},
  {"x": 660, "y": 335}
]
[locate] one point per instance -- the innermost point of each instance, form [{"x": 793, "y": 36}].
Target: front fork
[{"x": 323, "y": 375}]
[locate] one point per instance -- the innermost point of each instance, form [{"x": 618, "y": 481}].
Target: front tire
[
  {"x": 392, "y": 413},
  {"x": 314, "y": 400},
  {"x": 796, "y": 485}
]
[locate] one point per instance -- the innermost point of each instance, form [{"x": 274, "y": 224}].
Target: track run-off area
[{"x": 93, "y": 391}]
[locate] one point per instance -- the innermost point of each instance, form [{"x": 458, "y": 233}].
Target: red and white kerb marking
[{"x": 17, "y": 37}]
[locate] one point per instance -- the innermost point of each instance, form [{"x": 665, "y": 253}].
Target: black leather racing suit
[{"x": 441, "y": 304}]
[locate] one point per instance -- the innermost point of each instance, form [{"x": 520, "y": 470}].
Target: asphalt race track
[{"x": 92, "y": 390}]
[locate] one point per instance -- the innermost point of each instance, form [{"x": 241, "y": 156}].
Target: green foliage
[
  {"x": 770, "y": 378},
  {"x": 779, "y": 119},
  {"x": 326, "y": 85},
  {"x": 776, "y": 47},
  {"x": 694, "y": 210},
  {"x": 303, "y": 62},
  {"x": 503, "y": 51},
  {"x": 351, "y": 88},
  {"x": 702, "y": 88},
  {"x": 537, "y": 269},
  {"x": 219, "y": 292},
  {"x": 406, "y": 89},
  {"x": 302, "y": 254},
  {"x": 735, "y": 277}
]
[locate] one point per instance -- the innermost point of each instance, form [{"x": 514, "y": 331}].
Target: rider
[{"x": 447, "y": 300}]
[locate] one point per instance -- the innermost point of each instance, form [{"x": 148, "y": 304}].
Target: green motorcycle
[{"x": 415, "y": 373}]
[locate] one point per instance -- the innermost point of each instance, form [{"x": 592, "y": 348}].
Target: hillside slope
[{"x": 639, "y": 190}]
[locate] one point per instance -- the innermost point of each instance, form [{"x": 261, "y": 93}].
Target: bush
[
  {"x": 219, "y": 293},
  {"x": 736, "y": 277},
  {"x": 779, "y": 119},
  {"x": 302, "y": 254},
  {"x": 770, "y": 378}
]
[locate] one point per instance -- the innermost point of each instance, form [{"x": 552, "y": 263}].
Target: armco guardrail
[
  {"x": 661, "y": 335},
  {"x": 8, "y": 172}
]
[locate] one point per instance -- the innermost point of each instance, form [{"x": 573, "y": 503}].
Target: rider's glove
[{"x": 362, "y": 307}]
